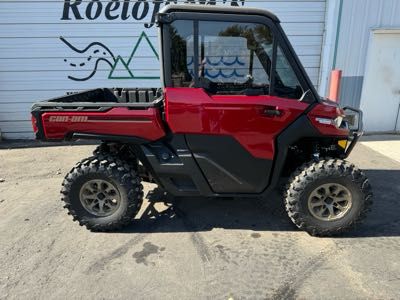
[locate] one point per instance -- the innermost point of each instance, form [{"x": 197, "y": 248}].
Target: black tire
[
  {"x": 113, "y": 170},
  {"x": 309, "y": 177}
]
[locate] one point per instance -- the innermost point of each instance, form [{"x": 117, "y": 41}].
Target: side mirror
[{"x": 307, "y": 95}]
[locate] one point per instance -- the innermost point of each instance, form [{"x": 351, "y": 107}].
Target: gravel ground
[{"x": 188, "y": 248}]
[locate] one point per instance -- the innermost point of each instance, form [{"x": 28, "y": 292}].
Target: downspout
[
  {"x": 330, "y": 44},
  {"x": 339, "y": 22}
]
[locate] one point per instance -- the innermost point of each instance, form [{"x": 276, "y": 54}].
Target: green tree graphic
[{"x": 121, "y": 69}]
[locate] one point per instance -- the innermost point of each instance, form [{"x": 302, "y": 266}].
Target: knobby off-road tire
[
  {"x": 307, "y": 187},
  {"x": 116, "y": 176}
]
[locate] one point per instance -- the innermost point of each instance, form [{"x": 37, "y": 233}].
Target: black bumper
[{"x": 355, "y": 125}]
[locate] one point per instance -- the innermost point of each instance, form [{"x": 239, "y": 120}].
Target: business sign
[{"x": 50, "y": 47}]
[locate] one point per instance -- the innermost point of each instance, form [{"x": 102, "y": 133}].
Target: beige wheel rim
[
  {"x": 100, "y": 197},
  {"x": 329, "y": 202}
]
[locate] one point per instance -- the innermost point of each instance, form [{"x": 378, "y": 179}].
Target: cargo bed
[
  {"x": 104, "y": 98},
  {"x": 104, "y": 114}
]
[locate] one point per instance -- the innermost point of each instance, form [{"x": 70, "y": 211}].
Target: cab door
[{"x": 231, "y": 92}]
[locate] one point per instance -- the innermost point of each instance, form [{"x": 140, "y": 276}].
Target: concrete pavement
[{"x": 189, "y": 248}]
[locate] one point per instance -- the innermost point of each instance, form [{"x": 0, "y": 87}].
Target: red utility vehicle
[{"x": 237, "y": 113}]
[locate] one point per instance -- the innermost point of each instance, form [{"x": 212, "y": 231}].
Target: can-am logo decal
[
  {"x": 68, "y": 119},
  {"x": 84, "y": 68}
]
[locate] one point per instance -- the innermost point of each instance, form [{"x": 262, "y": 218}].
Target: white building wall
[
  {"x": 357, "y": 19},
  {"x": 94, "y": 51}
]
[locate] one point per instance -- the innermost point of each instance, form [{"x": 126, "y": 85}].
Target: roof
[{"x": 218, "y": 9}]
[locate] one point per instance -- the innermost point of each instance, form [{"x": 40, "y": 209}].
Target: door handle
[{"x": 272, "y": 112}]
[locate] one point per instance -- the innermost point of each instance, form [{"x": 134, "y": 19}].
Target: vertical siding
[
  {"x": 36, "y": 64},
  {"x": 358, "y": 18}
]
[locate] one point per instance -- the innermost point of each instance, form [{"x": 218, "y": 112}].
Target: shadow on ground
[
  {"x": 380, "y": 137},
  {"x": 21, "y": 144},
  {"x": 204, "y": 214}
]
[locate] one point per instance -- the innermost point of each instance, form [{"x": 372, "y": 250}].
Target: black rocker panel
[{"x": 227, "y": 166}]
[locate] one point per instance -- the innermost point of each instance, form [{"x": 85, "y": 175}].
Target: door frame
[{"x": 372, "y": 32}]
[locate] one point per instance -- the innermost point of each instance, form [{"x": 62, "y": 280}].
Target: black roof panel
[{"x": 198, "y": 8}]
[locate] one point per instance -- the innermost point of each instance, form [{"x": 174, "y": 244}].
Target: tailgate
[{"x": 109, "y": 121}]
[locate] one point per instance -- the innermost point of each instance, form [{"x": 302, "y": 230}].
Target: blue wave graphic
[
  {"x": 219, "y": 73},
  {"x": 189, "y": 63},
  {"x": 221, "y": 61}
]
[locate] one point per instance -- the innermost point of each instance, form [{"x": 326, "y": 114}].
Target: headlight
[
  {"x": 337, "y": 122},
  {"x": 353, "y": 118}
]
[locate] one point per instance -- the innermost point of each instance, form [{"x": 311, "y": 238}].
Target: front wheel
[
  {"x": 102, "y": 193},
  {"x": 327, "y": 197}
]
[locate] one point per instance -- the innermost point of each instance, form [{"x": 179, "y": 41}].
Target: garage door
[
  {"x": 380, "y": 99},
  {"x": 50, "y": 47}
]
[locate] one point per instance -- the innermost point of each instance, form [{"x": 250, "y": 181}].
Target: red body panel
[
  {"x": 192, "y": 110},
  {"x": 328, "y": 110},
  {"x": 143, "y": 123}
]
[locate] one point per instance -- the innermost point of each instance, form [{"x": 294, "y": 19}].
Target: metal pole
[{"x": 334, "y": 89}]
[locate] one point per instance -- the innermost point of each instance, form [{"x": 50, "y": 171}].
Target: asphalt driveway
[{"x": 193, "y": 248}]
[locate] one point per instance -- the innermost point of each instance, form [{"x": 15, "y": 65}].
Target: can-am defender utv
[{"x": 237, "y": 112}]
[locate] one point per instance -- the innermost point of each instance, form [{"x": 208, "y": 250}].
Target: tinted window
[
  {"x": 181, "y": 33},
  {"x": 232, "y": 58},
  {"x": 286, "y": 84}
]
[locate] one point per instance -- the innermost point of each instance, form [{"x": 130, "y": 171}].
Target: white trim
[{"x": 394, "y": 30}]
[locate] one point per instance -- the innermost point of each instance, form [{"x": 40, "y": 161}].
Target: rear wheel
[
  {"x": 102, "y": 193},
  {"x": 327, "y": 197}
]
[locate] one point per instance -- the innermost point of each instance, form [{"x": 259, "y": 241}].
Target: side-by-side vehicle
[{"x": 236, "y": 115}]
